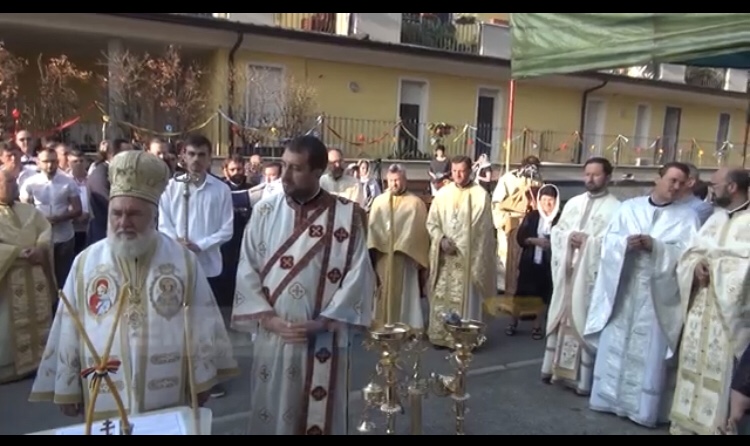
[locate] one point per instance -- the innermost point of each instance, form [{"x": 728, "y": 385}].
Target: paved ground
[{"x": 507, "y": 397}]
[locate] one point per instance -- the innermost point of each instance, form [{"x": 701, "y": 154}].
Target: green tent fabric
[{"x": 562, "y": 43}]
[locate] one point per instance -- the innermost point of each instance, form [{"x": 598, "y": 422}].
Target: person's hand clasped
[
  {"x": 447, "y": 246},
  {"x": 295, "y": 333},
  {"x": 640, "y": 242},
  {"x": 702, "y": 275},
  {"x": 577, "y": 239}
]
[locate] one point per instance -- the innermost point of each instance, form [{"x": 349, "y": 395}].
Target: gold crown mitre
[{"x": 138, "y": 174}]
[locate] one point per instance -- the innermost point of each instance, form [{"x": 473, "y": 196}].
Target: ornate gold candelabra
[
  {"x": 386, "y": 391},
  {"x": 467, "y": 335}
]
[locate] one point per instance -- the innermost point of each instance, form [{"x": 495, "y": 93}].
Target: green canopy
[{"x": 561, "y": 43}]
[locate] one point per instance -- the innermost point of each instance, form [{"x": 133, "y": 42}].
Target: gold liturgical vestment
[
  {"x": 717, "y": 328},
  {"x": 26, "y": 291},
  {"x": 411, "y": 245},
  {"x": 453, "y": 212}
]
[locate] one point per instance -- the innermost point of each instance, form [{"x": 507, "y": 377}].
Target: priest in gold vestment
[
  {"x": 461, "y": 212},
  {"x": 713, "y": 276},
  {"x": 411, "y": 245},
  {"x": 576, "y": 253},
  {"x": 144, "y": 303},
  {"x": 26, "y": 286}
]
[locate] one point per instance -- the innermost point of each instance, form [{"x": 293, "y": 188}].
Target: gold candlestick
[{"x": 467, "y": 335}]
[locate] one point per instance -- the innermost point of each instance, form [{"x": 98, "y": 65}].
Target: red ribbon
[{"x": 112, "y": 366}]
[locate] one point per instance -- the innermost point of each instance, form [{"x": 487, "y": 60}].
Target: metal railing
[
  {"x": 405, "y": 140},
  {"x": 322, "y": 22},
  {"x": 430, "y": 31}
]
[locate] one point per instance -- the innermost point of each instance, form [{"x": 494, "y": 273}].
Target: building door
[
  {"x": 412, "y": 115},
  {"x": 671, "y": 135},
  {"x": 487, "y": 136},
  {"x": 593, "y": 129}
]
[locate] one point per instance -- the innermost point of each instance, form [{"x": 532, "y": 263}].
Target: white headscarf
[{"x": 544, "y": 229}]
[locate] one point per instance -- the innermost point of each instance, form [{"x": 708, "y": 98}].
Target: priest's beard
[{"x": 131, "y": 248}]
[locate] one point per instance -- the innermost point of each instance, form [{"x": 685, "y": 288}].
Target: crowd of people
[{"x": 158, "y": 259}]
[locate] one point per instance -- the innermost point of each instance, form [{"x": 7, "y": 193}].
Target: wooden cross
[{"x": 108, "y": 427}]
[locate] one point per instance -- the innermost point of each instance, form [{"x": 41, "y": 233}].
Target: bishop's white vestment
[
  {"x": 148, "y": 355},
  {"x": 302, "y": 262},
  {"x": 717, "y": 326},
  {"x": 346, "y": 187},
  {"x": 567, "y": 357},
  {"x": 635, "y": 312}
]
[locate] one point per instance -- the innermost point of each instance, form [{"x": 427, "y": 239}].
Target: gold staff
[{"x": 187, "y": 179}]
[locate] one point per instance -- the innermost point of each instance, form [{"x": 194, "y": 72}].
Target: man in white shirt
[
  {"x": 271, "y": 183},
  {"x": 77, "y": 163},
  {"x": 24, "y": 142},
  {"x": 10, "y": 158},
  {"x": 206, "y": 221},
  {"x": 57, "y": 196}
]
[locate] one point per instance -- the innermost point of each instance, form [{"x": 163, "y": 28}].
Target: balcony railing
[
  {"x": 322, "y": 22},
  {"x": 430, "y": 31},
  {"x": 372, "y": 139},
  {"x": 706, "y": 77}
]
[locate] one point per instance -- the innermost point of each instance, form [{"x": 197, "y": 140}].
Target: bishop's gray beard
[{"x": 131, "y": 249}]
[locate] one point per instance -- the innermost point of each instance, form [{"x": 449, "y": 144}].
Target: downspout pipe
[
  {"x": 231, "y": 81},
  {"x": 582, "y": 126}
]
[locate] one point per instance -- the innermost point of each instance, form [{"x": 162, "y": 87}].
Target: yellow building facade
[{"x": 380, "y": 100}]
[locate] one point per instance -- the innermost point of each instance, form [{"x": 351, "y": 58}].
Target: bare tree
[
  {"x": 156, "y": 92},
  {"x": 11, "y": 68},
  {"x": 271, "y": 108},
  {"x": 56, "y": 99}
]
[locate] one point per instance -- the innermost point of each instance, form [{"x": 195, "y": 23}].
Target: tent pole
[
  {"x": 747, "y": 133},
  {"x": 509, "y": 123}
]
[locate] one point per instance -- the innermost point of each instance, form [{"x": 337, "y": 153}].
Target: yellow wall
[
  {"x": 698, "y": 127},
  {"x": 488, "y": 16}
]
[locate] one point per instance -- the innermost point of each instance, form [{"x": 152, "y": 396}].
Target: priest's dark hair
[
  {"x": 741, "y": 178},
  {"x": 317, "y": 153},
  {"x": 682, "y": 167},
  {"x": 461, "y": 159},
  {"x": 604, "y": 162}
]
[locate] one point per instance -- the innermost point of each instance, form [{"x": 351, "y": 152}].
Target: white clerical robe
[
  {"x": 149, "y": 340},
  {"x": 717, "y": 327},
  {"x": 301, "y": 263},
  {"x": 346, "y": 187},
  {"x": 635, "y": 310},
  {"x": 567, "y": 357}
]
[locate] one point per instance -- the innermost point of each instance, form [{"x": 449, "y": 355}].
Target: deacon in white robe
[
  {"x": 304, "y": 284},
  {"x": 336, "y": 182},
  {"x": 141, "y": 299},
  {"x": 576, "y": 247},
  {"x": 713, "y": 274},
  {"x": 635, "y": 313}
]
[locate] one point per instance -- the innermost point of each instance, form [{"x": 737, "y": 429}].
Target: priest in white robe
[
  {"x": 397, "y": 221},
  {"x": 141, "y": 299},
  {"x": 576, "y": 247},
  {"x": 337, "y": 183},
  {"x": 305, "y": 284},
  {"x": 712, "y": 276},
  {"x": 635, "y": 316}
]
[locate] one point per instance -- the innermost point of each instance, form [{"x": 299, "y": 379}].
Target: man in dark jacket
[
  {"x": 234, "y": 177},
  {"x": 98, "y": 189}
]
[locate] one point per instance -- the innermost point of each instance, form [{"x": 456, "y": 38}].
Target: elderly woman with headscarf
[{"x": 534, "y": 288}]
